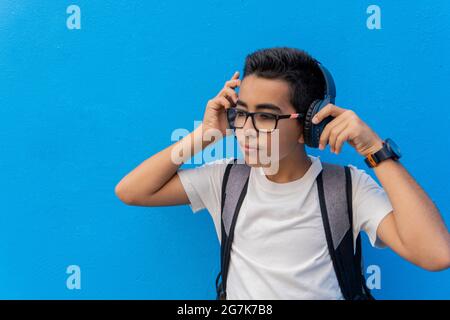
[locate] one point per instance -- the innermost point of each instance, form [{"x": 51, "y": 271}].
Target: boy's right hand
[{"x": 215, "y": 116}]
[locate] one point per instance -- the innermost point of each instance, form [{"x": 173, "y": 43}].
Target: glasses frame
[{"x": 252, "y": 115}]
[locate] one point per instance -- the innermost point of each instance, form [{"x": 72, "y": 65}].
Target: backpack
[{"x": 336, "y": 209}]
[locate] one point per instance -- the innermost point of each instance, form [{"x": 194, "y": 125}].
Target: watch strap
[{"x": 374, "y": 159}]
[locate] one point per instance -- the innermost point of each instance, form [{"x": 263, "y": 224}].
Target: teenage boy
[{"x": 280, "y": 249}]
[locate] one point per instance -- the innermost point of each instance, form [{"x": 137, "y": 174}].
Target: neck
[{"x": 292, "y": 167}]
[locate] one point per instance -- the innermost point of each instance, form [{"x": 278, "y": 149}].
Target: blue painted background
[{"x": 79, "y": 109}]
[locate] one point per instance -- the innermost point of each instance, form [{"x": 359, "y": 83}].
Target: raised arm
[{"x": 155, "y": 181}]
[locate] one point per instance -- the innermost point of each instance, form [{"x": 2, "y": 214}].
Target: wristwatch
[{"x": 389, "y": 151}]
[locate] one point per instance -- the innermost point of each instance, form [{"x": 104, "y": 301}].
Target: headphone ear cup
[
  {"x": 308, "y": 125},
  {"x": 314, "y": 131}
]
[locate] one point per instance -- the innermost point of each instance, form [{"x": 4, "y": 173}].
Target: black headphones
[{"x": 311, "y": 131}]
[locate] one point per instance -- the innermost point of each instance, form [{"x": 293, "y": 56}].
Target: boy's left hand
[{"x": 346, "y": 126}]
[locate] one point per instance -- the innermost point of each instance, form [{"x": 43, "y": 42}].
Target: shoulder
[
  {"x": 370, "y": 204},
  {"x": 365, "y": 187},
  {"x": 219, "y": 162},
  {"x": 360, "y": 175},
  {"x": 355, "y": 171},
  {"x": 213, "y": 169},
  {"x": 361, "y": 180}
]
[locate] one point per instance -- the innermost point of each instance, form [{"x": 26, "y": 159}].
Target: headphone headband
[{"x": 330, "y": 87}]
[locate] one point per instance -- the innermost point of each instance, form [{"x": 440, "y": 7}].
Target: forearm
[
  {"x": 156, "y": 171},
  {"x": 419, "y": 224},
  {"x": 415, "y": 230}
]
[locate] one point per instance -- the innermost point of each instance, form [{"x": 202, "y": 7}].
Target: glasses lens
[
  {"x": 240, "y": 118},
  {"x": 231, "y": 116},
  {"x": 265, "y": 122}
]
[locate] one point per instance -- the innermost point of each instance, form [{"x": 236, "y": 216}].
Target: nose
[{"x": 249, "y": 128}]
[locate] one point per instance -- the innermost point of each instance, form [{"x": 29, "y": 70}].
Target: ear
[{"x": 301, "y": 139}]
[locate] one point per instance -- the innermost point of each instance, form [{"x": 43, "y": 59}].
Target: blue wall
[{"x": 80, "y": 108}]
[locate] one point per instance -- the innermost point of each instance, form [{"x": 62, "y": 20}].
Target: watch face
[{"x": 393, "y": 148}]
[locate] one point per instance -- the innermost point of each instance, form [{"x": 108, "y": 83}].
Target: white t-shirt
[{"x": 279, "y": 249}]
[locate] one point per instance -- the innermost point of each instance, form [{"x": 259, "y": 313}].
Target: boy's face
[{"x": 274, "y": 146}]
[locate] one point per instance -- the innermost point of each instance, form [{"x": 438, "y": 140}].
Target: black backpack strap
[
  {"x": 358, "y": 262},
  {"x": 234, "y": 190},
  {"x": 219, "y": 285},
  {"x": 336, "y": 208}
]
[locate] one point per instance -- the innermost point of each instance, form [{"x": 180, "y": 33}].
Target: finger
[
  {"x": 233, "y": 83},
  {"x": 235, "y": 75},
  {"x": 229, "y": 94},
  {"x": 324, "y": 137},
  {"x": 223, "y": 102},
  {"x": 343, "y": 136},
  {"x": 335, "y": 134},
  {"x": 329, "y": 110}
]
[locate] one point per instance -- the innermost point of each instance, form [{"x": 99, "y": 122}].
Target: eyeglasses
[{"x": 262, "y": 121}]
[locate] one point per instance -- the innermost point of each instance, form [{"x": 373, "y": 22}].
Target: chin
[{"x": 255, "y": 162}]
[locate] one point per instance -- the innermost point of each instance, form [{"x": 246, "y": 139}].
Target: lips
[{"x": 248, "y": 148}]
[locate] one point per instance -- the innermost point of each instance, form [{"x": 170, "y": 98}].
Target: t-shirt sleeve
[
  {"x": 370, "y": 205},
  {"x": 203, "y": 185}
]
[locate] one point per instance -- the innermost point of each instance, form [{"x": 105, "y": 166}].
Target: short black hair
[{"x": 295, "y": 66}]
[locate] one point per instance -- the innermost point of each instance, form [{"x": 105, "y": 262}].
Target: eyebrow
[{"x": 260, "y": 106}]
